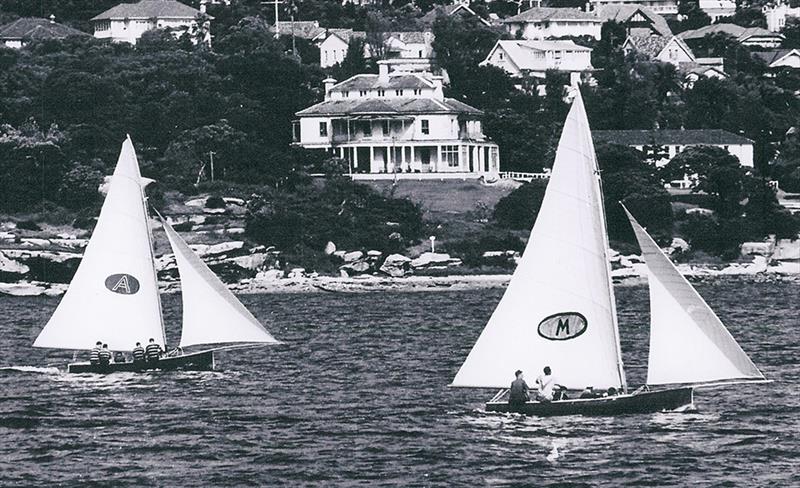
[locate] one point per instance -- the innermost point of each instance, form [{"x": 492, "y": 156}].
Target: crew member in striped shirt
[
  {"x": 153, "y": 351},
  {"x": 105, "y": 355},
  {"x": 94, "y": 356},
  {"x": 138, "y": 354}
]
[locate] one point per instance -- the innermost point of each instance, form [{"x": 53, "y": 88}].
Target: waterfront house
[
  {"x": 531, "y": 58},
  {"x": 746, "y": 36},
  {"x": 667, "y": 143},
  {"x": 396, "y": 122},
  {"x": 20, "y": 32},
  {"x": 547, "y": 23},
  {"x": 128, "y": 21}
]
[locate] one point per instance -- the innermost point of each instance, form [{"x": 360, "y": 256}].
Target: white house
[
  {"x": 638, "y": 21},
  {"x": 780, "y": 58},
  {"x": 128, "y": 21},
  {"x": 333, "y": 47},
  {"x": 701, "y": 70},
  {"x": 718, "y": 8},
  {"x": 665, "y": 49},
  {"x": 394, "y": 45},
  {"x": 397, "y": 123},
  {"x": 746, "y": 36},
  {"x": 777, "y": 13},
  {"x": 26, "y": 29},
  {"x": 533, "y": 58},
  {"x": 547, "y": 23},
  {"x": 669, "y": 143},
  {"x": 661, "y": 7}
]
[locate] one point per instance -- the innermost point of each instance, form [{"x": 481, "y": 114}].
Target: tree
[
  {"x": 518, "y": 209},
  {"x": 354, "y": 61},
  {"x": 79, "y": 187}
]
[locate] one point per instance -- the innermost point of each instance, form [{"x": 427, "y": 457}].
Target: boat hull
[
  {"x": 644, "y": 402},
  {"x": 199, "y": 361}
]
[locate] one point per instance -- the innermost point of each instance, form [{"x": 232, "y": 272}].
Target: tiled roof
[
  {"x": 770, "y": 57},
  {"x": 537, "y": 14},
  {"x": 148, "y": 9},
  {"x": 389, "y": 106},
  {"x": 304, "y": 29},
  {"x": 394, "y": 82},
  {"x": 344, "y": 34},
  {"x": 738, "y": 32},
  {"x": 521, "y": 52},
  {"x": 33, "y": 28},
  {"x": 447, "y": 10},
  {"x": 649, "y": 45},
  {"x": 415, "y": 37},
  {"x": 669, "y": 137},
  {"x": 623, "y": 13}
]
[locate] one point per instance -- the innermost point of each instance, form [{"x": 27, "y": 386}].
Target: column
[
  {"x": 438, "y": 159},
  {"x": 371, "y": 158},
  {"x": 388, "y": 161},
  {"x": 403, "y": 158}
]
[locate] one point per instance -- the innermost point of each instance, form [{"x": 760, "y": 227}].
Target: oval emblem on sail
[
  {"x": 563, "y": 326},
  {"x": 122, "y": 283}
]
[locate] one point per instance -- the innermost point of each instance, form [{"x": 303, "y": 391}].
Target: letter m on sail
[{"x": 563, "y": 326}]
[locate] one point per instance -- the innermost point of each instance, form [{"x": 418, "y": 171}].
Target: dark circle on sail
[
  {"x": 563, "y": 326},
  {"x": 122, "y": 283}
]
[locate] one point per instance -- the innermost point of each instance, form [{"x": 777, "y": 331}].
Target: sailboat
[
  {"x": 114, "y": 296},
  {"x": 559, "y": 308}
]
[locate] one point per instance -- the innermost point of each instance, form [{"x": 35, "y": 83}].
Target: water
[{"x": 357, "y": 397}]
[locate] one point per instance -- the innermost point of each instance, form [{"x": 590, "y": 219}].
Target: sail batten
[
  {"x": 113, "y": 296},
  {"x": 558, "y": 309},
  {"x": 688, "y": 342},
  {"x": 211, "y": 313}
]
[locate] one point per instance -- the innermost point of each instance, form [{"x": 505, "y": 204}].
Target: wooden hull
[
  {"x": 199, "y": 361},
  {"x": 644, "y": 402}
]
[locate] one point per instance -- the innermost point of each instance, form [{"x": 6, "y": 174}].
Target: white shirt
[{"x": 546, "y": 383}]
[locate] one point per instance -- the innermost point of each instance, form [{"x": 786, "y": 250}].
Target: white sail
[
  {"x": 211, "y": 313},
  {"x": 688, "y": 342},
  {"x": 558, "y": 310},
  {"x": 113, "y": 296}
]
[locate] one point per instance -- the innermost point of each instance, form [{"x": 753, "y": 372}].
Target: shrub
[{"x": 518, "y": 209}]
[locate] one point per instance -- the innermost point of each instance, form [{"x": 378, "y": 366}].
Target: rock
[
  {"x": 352, "y": 256},
  {"x": 454, "y": 263},
  {"x": 430, "y": 258},
  {"x": 214, "y": 210},
  {"x": 396, "y": 265},
  {"x": 340, "y": 254},
  {"x": 330, "y": 248},
  {"x": 493, "y": 254},
  {"x": 70, "y": 243},
  {"x": 66, "y": 235},
  {"x": 30, "y": 289},
  {"x": 699, "y": 211},
  {"x": 296, "y": 273},
  {"x": 223, "y": 248},
  {"x": 343, "y": 273},
  {"x": 250, "y": 261},
  {"x": 269, "y": 275},
  {"x": 235, "y": 201},
  {"x": 197, "y": 219},
  {"x": 358, "y": 267},
  {"x": 11, "y": 266},
  {"x": 678, "y": 245},
  {"x": 32, "y": 242},
  {"x": 235, "y": 231},
  {"x": 374, "y": 255},
  {"x": 196, "y": 202},
  {"x": 7, "y": 236}
]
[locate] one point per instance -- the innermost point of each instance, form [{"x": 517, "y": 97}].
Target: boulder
[
  {"x": 296, "y": 273},
  {"x": 396, "y": 265},
  {"x": 353, "y": 256},
  {"x": 32, "y": 242},
  {"x": 196, "y": 202},
  {"x": 269, "y": 275},
  {"x": 430, "y": 259},
  {"x": 250, "y": 261},
  {"x": 235, "y": 231},
  {"x": 7, "y": 236},
  {"x": 11, "y": 266},
  {"x": 330, "y": 248},
  {"x": 358, "y": 267},
  {"x": 678, "y": 245},
  {"x": 223, "y": 248},
  {"x": 234, "y": 201}
]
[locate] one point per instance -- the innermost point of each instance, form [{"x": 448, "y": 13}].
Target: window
[
  {"x": 102, "y": 25},
  {"x": 323, "y": 129},
  {"x": 381, "y": 93},
  {"x": 501, "y": 56},
  {"x": 385, "y": 127},
  {"x": 367, "y": 129},
  {"x": 345, "y": 94},
  {"x": 362, "y": 93},
  {"x": 450, "y": 156},
  {"x": 417, "y": 91},
  {"x": 426, "y": 127},
  {"x": 399, "y": 93},
  {"x": 420, "y": 53}
]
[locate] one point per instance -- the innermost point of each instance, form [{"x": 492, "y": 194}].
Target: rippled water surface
[{"x": 358, "y": 395}]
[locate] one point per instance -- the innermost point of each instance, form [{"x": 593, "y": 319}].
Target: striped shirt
[
  {"x": 153, "y": 351},
  {"x": 94, "y": 356},
  {"x": 138, "y": 353},
  {"x": 104, "y": 356}
]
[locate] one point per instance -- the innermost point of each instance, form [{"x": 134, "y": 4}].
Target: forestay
[
  {"x": 113, "y": 296},
  {"x": 211, "y": 313},
  {"x": 688, "y": 342},
  {"x": 558, "y": 309}
]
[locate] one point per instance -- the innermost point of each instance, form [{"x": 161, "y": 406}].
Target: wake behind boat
[
  {"x": 114, "y": 297},
  {"x": 559, "y": 308}
]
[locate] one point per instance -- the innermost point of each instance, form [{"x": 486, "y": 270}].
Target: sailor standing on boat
[
  {"x": 138, "y": 354},
  {"x": 519, "y": 393},
  {"x": 546, "y": 383},
  {"x": 105, "y": 355},
  {"x": 153, "y": 351},
  {"x": 94, "y": 356}
]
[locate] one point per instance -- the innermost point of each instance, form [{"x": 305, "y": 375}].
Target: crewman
[
  {"x": 519, "y": 393},
  {"x": 547, "y": 384},
  {"x": 105, "y": 355},
  {"x": 94, "y": 356},
  {"x": 153, "y": 351},
  {"x": 138, "y": 354}
]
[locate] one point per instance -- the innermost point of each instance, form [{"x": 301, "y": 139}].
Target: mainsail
[
  {"x": 113, "y": 296},
  {"x": 558, "y": 310},
  {"x": 688, "y": 342},
  {"x": 211, "y": 313}
]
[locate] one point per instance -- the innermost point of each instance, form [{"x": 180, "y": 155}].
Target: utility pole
[
  {"x": 276, "y": 3},
  {"x": 211, "y": 157}
]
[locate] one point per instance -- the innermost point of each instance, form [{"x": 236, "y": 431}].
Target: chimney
[
  {"x": 383, "y": 71},
  {"x": 202, "y": 6},
  {"x": 438, "y": 92},
  {"x": 329, "y": 82}
]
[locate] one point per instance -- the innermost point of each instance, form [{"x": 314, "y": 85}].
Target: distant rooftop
[
  {"x": 733, "y": 30},
  {"x": 537, "y": 14},
  {"x": 148, "y": 9},
  {"x": 35, "y": 28},
  {"x": 770, "y": 57},
  {"x": 625, "y": 12},
  {"x": 670, "y": 137},
  {"x": 394, "y": 82},
  {"x": 389, "y": 106}
]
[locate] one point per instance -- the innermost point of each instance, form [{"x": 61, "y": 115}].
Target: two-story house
[
  {"x": 128, "y": 21},
  {"x": 548, "y": 23},
  {"x": 746, "y": 36},
  {"x": 533, "y": 58},
  {"x": 333, "y": 46},
  {"x": 670, "y": 50},
  {"x": 396, "y": 122},
  {"x": 718, "y": 8},
  {"x": 26, "y": 29}
]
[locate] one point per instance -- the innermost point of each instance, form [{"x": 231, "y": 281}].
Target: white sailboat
[
  {"x": 114, "y": 297},
  {"x": 559, "y": 309}
]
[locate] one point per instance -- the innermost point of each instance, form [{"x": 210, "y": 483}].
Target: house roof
[
  {"x": 414, "y": 37},
  {"x": 389, "y": 106},
  {"x": 343, "y": 34},
  {"x": 538, "y": 14},
  {"x": 770, "y": 57},
  {"x": 304, "y": 29},
  {"x": 148, "y": 9},
  {"x": 740, "y": 33},
  {"x": 520, "y": 52},
  {"x": 447, "y": 10},
  {"x": 654, "y": 45},
  {"x": 35, "y": 28},
  {"x": 393, "y": 82},
  {"x": 623, "y": 14},
  {"x": 670, "y": 137}
]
